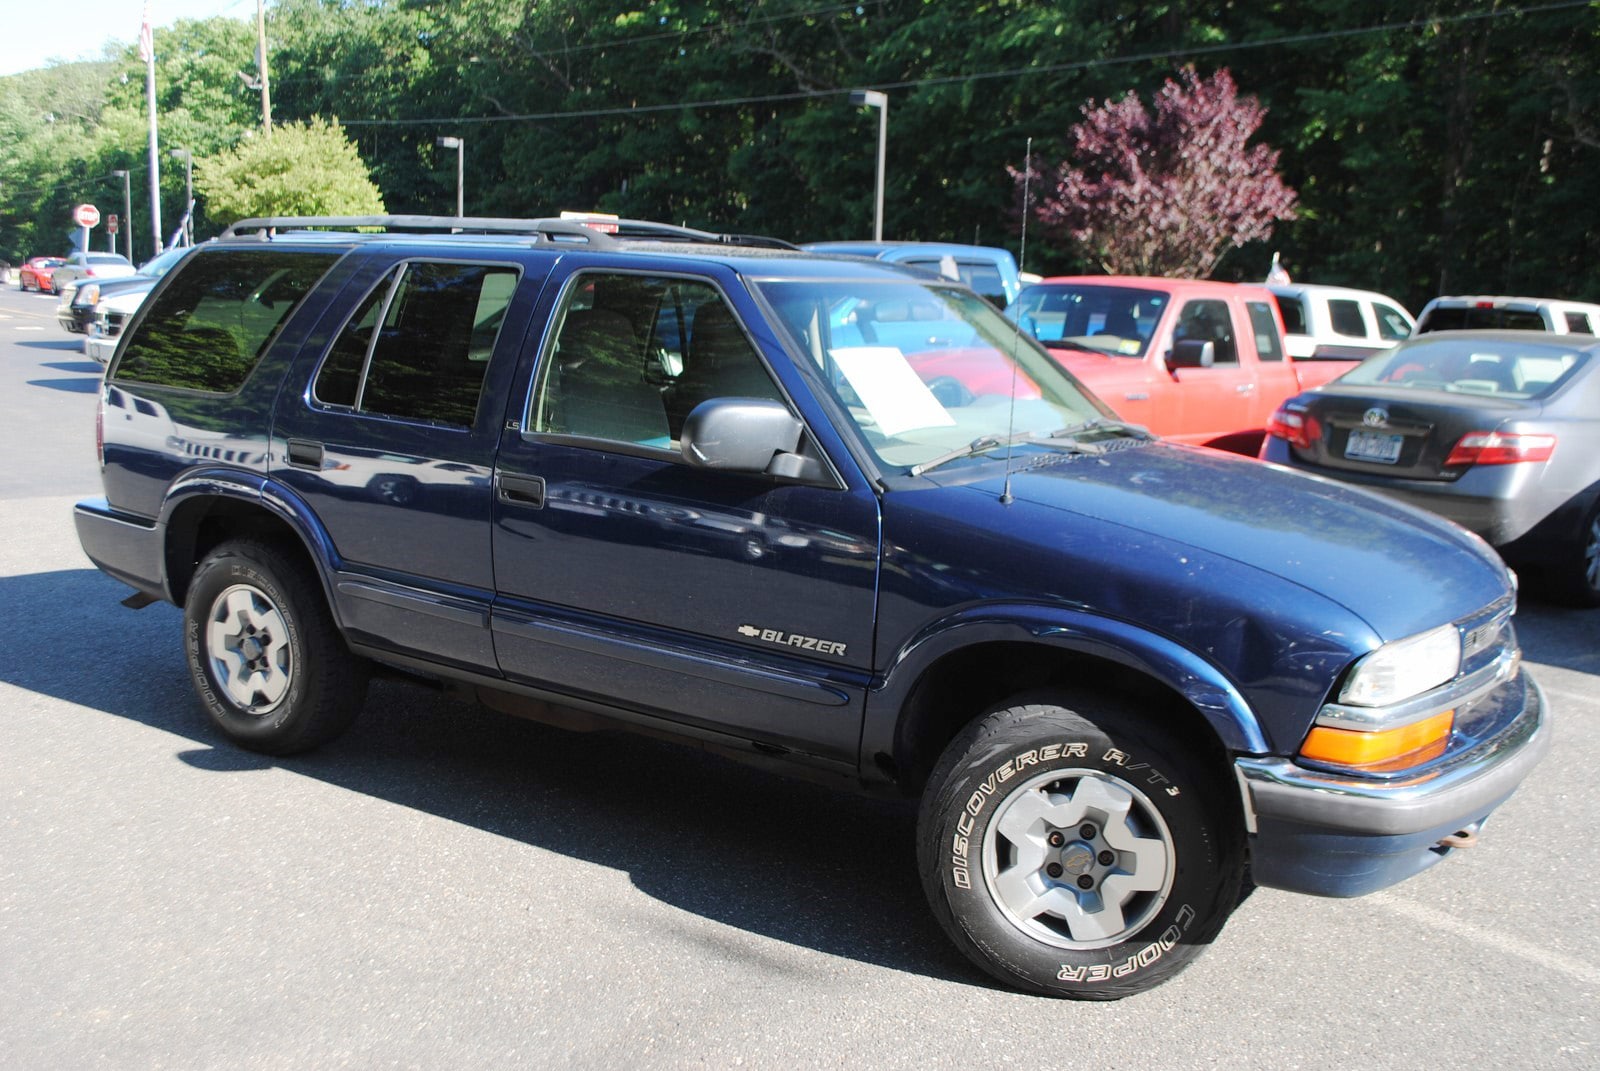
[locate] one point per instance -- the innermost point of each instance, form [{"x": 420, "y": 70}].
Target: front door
[{"x": 734, "y": 603}]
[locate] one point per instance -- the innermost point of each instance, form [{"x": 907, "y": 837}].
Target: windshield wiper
[
  {"x": 1135, "y": 431},
  {"x": 1057, "y": 440}
]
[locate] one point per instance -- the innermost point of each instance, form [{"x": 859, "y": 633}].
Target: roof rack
[{"x": 542, "y": 230}]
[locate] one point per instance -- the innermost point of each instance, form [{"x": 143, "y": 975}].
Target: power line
[{"x": 1016, "y": 72}]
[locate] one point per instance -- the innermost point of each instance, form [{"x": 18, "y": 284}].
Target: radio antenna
[{"x": 1016, "y": 333}]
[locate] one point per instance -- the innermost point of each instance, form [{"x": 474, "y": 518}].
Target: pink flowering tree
[{"x": 1168, "y": 191}]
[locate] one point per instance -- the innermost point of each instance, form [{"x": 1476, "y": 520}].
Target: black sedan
[{"x": 1497, "y": 430}]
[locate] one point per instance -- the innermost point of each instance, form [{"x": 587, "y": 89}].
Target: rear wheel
[
  {"x": 264, "y": 653},
  {"x": 1578, "y": 580},
  {"x": 1071, "y": 846}
]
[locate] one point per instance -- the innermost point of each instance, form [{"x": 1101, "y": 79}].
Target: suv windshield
[
  {"x": 1109, "y": 319},
  {"x": 924, "y": 370}
]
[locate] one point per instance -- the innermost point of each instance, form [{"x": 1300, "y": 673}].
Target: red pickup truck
[{"x": 1192, "y": 360}]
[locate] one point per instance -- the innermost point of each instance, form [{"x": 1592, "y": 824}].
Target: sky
[{"x": 33, "y": 33}]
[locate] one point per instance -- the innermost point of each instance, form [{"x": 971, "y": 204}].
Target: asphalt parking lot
[{"x": 445, "y": 886}]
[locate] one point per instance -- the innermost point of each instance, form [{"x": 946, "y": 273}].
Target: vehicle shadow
[
  {"x": 58, "y": 344},
  {"x": 70, "y": 386},
  {"x": 774, "y": 856},
  {"x": 1561, "y": 636},
  {"x": 88, "y": 367}
]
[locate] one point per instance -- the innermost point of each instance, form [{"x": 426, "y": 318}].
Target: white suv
[
  {"x": 1516, "y": 313},
  {"x": 1337, "y": 323}
]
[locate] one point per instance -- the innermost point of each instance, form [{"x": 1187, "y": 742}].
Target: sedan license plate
[{"x": 1373, "y": 446}]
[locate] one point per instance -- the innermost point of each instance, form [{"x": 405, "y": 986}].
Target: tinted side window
[
  {"x": 1294, "y": 314},
  {"x": 635, "y": 354},
  {"x": 1268, "y": 346},
  {"x": 217, "y": 316},
  {"x": 339, "y": 381},
  {"x": 1579, "y": 324},
  {"x": 434, "y": 339},
  {"x": 1392, "y": 324},
  {"x": 1210, "y": 321},
  {"x": 1345, "y": 317}
]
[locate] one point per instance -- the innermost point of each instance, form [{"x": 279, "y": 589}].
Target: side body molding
[{"x": 1200, "y": 682}]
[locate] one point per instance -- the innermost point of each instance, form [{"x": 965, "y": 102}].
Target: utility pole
[{"x": 261, "y": 65}]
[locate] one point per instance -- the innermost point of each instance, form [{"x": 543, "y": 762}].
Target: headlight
[
  {"x": 1400, "y": 670},
  {"x": 88, "y": 294}
]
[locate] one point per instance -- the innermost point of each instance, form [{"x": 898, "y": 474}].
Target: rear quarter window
[
  {"x": 208, "y": 329},
  {"x": 1265, "y": 327},
  {"x": 1344, "y": 316}
]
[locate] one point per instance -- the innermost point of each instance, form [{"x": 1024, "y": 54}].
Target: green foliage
[
  {"x": 1441, "y": 154},
  {"x": 306, "y": 169}
]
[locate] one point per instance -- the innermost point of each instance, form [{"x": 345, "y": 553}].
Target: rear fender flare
[{"x": 205, "y": 485}]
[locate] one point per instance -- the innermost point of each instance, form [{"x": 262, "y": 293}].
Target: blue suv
[{"x": 694, "y": 484}]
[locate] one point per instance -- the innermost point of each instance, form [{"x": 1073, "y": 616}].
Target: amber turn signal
[{"x": 1383, "y": 751}]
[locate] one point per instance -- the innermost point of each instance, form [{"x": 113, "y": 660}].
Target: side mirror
[
  {"x": 749, "y": 435},
  {"x": 1192, "y": 353}
]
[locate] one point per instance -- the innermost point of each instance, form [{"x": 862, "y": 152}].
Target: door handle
[
  {"x": 305, "y": 455},
  {"x": 520, "y": 490}
]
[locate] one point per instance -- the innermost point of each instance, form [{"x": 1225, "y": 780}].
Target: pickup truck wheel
[
  {"x": 264, "y": 653},
  {"x": 1072, "y": 848}
]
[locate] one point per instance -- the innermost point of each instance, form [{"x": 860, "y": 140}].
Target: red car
[{"x": 36, "y": 273}]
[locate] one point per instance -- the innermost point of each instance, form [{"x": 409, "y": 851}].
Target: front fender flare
[{"x": 1200, "y": 682}]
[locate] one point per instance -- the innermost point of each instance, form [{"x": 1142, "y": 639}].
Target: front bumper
[
  {"x": 76, "y": 318},
  {"x": 1333, "y": 834}
]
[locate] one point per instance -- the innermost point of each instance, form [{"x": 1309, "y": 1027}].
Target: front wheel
[
  {"x": 1073, "y": 847},
  {"x": 1577, "y": 580},
  {"x": 264, "y": 653}
]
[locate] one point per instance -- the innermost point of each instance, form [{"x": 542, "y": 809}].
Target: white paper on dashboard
[{"x": 890, "y": 389}]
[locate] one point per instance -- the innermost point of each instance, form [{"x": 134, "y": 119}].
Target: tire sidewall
[
  {"x": 216, "y": 575},
  {"x": 967, "y": 805}
]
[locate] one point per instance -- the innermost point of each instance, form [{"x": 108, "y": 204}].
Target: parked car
[
  {"x": 111, "y": 314},
  {"x": 1337, "y": 323},
  {"x": 76, "y": 309},
  {"x": 1497, "y": 430},
  {"x": 634, "y": 480},
  {"x": 1509, "y": 313},
  {"x": 992, "y": 272},
  {"x": 1192, "y": 360},
  {"x": 37, "y": 273},
  {"x": 91, "y": 266}
]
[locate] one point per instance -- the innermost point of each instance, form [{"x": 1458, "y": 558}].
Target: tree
[
  {"x": 1168, "y": 192},
  {"x": 302, "y": 169}
]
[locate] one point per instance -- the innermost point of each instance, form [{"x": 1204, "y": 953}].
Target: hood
[
  {"x": 126, "y": 284},
  {"x": 1400, "y": 570}
]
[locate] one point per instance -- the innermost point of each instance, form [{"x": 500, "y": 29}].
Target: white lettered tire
[{"x": 1071, "y": 846}]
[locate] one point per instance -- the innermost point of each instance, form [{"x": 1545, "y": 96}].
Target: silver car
[{"x": 1497, "y": 430}]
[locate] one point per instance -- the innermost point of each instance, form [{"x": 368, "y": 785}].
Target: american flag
[{"x": 147, "y": 48}]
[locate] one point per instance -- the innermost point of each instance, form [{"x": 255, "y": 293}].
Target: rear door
[{"x": 387, "y": 432}]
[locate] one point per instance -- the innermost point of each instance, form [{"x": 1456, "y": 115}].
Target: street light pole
[
  {"x": 188, "y": 192},
  {"x": 460, "y": 146},
  {"x": 871, "y": 98},
  {"x": 127, "y": 212}
]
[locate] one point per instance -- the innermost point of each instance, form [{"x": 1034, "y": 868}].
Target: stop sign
[{"x": 86, "y": 216}]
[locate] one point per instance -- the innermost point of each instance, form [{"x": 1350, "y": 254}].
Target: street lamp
[
  {"x": 460, "y": 146},
  {"x": 127, "y": 210},
  {"x": 188, "y": 192},
  {"x": 871, "y": 98}
]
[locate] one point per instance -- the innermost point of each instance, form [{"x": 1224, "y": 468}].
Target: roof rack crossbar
[
  {"x": 550, "y": 230},
  {"x": 547, "y": 230}
]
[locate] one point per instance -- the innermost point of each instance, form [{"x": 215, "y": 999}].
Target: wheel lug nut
[
  {"x": 1107, "y": 858},
  {"x": 1054, "y": 870},
  {"x": 1057, "y": 840},
  {"x": 1087, "y": 831},
  {"x": 1086, "y": 882}
]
